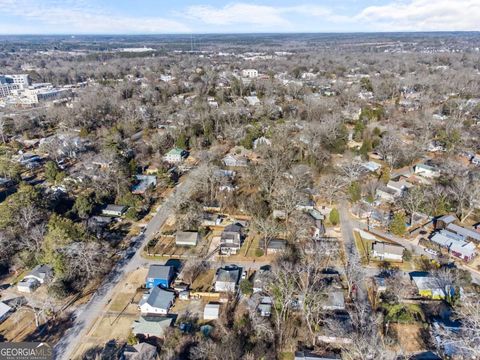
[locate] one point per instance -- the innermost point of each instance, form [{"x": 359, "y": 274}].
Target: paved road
[
  {"x": 86, "y": 316},
  {"x": 348, "y": 225},
  {"x": 416, "y": 249}
]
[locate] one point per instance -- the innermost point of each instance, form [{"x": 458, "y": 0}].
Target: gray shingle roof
[
  {"x": 385, "y": 248},
  {"x": 159, "y": 271},
  {"x": 160, "y": 298},
  {"x": 228, "y": 275}
]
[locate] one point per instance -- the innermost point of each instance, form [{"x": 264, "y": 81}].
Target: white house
[
  {"x": 252, "y": 100},
  {"x": 226, "y": 279},
  {"x": 250, "y": 73},
  {"x": 476, "y": 160},
  {"x": 158, "y": 301},
  {"x": 385, "y": 251},
  {"x": 28, "y": 285},
  {"x": 114, "y": 210},
  {"x": 426, "y": 171},
  {"x": 175, "y": 156},
  {"x": 186, "y": 238},
  {"x": 335, "y": 301},
  {"x": 235, "y": 160},
  {"x": 211, "y": 311},
  {"x": 41, "y": 273},
  {"x": 261, "y": 141}
]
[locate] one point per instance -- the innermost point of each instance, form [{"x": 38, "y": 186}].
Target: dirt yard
[
  {"x": 409, "y": 337},
  {"x": 116, "y": 323},
  {"x": 204, "y": 282},
  {"x": 18, "y": 325}
]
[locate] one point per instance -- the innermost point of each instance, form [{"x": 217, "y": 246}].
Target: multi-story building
[
  {"x": 10, "y": 84},
  {"x": 20, "y": 79},
  {"x": 250, "y": 73}
]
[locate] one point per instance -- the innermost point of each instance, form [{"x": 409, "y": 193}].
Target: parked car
[{"x": 431, "y": 252}]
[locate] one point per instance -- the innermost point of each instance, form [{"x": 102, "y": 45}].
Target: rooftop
[
  {"x": 159, "y": 271},
  {"x": 464, "y": 231},
  {"x": 228, "y": 275},
  {"x": 153, "y": 325},
  {"x": 386, "y": 248},
  {"x": 160, "y": 298}
]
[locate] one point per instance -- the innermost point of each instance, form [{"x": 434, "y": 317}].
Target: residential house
[
  {"x": 436, "y": 146},
  {"x": 231, "y": 239},
  {"x": 468, "y": 234},
  {"x": 265, "y": 306},
  {"x": 99, "y": 221},
  {"x": 226, "y": 279},
  {"x": 261, "y": 141},
  {"x": 308, "y": 355},
  {"x": 380, "y": 283},
  {"x": 393, "y": 190},
  {"x": 28, "y": 285},
  {"x": 250, "y": 73},
  {"x": 149, "y": 326},
  {"x": 456, "y": 244},
  {"x": 209, "y": 219},
  {"x": 260, "y": 279},
  {"x": 4, "y": 311},
  {"x": 305, "y": 204},
  {"x": 386, "y": 194},
  {"x": 371, "y": 166},
  {"x": 386, "y": 251},
  {"x": 41, "y": 273},
  {"x": 221, "y": 173},
  {"x": 159, "y": 275},
  {"x": 335, "y": 301},
  {"x": 141, "y": 351},
  {"x": 399, "y": 186},
  {"x": 318, "y": 215},
  {"x": 476, "y": 160},
  {"x": 252, "y": 100},
  {"x": 114, "y": 210},
  {"x": 143, "y": 183},
  {"x": 426, "y": 171},
  {"x": 176, "y": 155},
  {"x": 231, "y": 160},
  {"x": 211, "y": 311},
  {"x": 445, "y": 220},
  {"x": 279, "y": 214},
  {"x": 186, "y": 238},
  {"x": 429, "y": 287},
  {"x": 38, "y": 276},
  {"x": 275, "y": 246},
  {"x": 158, "y": 301}
]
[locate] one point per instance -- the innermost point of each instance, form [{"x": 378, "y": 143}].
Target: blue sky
[{"x": 244, "y": 16}]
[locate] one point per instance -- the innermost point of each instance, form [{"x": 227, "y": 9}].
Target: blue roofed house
[
  {"x": 143, "y": 183},
  {"x": 176, "y": 155},
  {"x": 159, "y": 275}
]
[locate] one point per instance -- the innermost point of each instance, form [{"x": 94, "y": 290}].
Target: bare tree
[
  {"x": 331, "y": 187},
  {"x": 268, "y": 228},
  {"x": 466, "y": 193},
  {"x": 192, "y": 269},
  {"x": 467, "y": 338}
]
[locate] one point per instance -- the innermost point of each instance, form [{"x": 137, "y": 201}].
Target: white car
[
  {"x": 431, "y": 252},
  {"x": 244, "y": 275}
]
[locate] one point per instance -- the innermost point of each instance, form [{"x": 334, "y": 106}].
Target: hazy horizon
[{"x": 127, "y": 17}]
